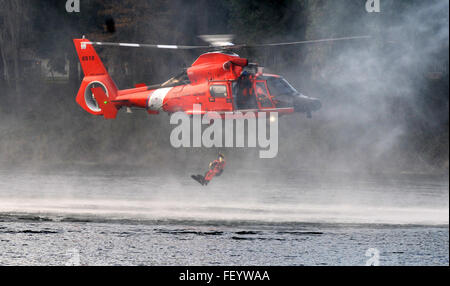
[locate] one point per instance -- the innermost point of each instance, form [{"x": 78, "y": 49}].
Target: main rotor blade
[
  {"x": 134, "y": 45},
  {"x": 228, "y": 46},
  {"x": 309, "y": 41}
]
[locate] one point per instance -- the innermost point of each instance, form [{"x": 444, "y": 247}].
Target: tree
[{"x": 12, "y": 18}]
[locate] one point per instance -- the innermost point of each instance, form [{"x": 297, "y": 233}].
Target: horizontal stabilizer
[{"x": 107, "y": 107}]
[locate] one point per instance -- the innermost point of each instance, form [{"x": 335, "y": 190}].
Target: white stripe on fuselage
[{"x": 156, "y": 99}]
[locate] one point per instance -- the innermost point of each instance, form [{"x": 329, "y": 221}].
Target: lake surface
[{"x": 124, "y": 217}]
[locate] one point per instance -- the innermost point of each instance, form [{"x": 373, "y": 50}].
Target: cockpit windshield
[{"x": 279, "y": 86}]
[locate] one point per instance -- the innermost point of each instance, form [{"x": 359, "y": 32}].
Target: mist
[{"x": 376, "y": 94}]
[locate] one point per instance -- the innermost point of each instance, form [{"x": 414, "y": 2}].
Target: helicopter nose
[{"x": 306, "y": 104}]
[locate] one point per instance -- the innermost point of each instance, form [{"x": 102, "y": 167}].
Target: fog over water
[{"x": 242, "y": 196}]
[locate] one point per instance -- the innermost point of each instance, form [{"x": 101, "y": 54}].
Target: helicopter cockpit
[
  {"x": 252, "y": 91},
  {"x": 263, "y": 91}
]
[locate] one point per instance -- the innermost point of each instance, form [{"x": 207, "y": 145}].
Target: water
[{"x": 123, "y": 217}]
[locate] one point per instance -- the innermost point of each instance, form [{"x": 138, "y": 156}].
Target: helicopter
[{"x": 219, "y": 80}]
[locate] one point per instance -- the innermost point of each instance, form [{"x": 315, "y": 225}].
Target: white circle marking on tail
[{"x": 89, "y": 98}]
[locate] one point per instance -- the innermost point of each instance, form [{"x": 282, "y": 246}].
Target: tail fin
[{"x": 97, "y": 89}]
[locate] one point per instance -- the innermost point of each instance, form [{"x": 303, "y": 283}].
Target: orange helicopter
[{"x": 219, "y": 80}]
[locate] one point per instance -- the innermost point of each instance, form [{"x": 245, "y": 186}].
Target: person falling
[{"x": 215, "y": 169}]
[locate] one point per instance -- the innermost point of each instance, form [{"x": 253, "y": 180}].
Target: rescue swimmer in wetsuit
[{"x": 215, "y": 169}]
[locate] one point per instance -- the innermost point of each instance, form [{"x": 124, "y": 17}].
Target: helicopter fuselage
[{"x": 217, "y": 81}]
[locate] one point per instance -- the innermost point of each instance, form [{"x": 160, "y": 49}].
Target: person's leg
[
  {"x": 208, "y": 176},
  {"x": 199, "y": 178}
]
